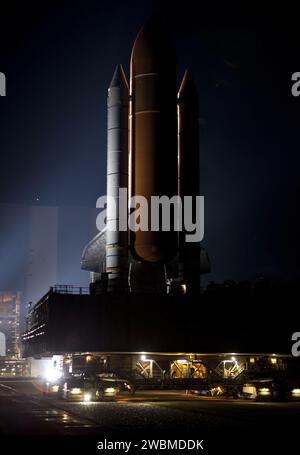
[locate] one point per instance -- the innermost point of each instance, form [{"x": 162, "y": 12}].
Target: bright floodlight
[{"x": 52, "y": 374}]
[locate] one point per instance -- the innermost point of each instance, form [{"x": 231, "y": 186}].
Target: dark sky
[{"x": 59, "y": 58}]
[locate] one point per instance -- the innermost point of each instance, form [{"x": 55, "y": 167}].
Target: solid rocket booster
[
  {"x": 117, "y": 177},
  {"x": 188, "y": 175},
  {"x": 188, "y": 137},
  {"x": 153, "y": 135}
]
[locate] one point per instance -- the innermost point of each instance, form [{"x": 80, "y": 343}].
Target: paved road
[{"x": 25, "y": 411}]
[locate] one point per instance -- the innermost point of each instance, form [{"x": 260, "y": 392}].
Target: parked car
[
  {"x": 92, "y": 388},
  {"x": 73, "y": 389},
  {"x": 123, "y": 385}
]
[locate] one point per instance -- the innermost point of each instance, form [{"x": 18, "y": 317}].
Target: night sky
[{"x": 58, "y": 62}]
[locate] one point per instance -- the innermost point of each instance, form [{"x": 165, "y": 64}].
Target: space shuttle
[{"x": 152, "y": 150}]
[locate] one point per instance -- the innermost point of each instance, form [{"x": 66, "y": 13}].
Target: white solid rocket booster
[{"x": 117, "y": 177}]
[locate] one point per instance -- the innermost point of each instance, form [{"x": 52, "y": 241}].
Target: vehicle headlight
[
  {"x": 264, "y": 391},
  {"x": 110, "y": 390},
  {"x": 75, "y": 391},
  {"x": 87, "y": 397},
  {"x": 296, "y": 393},
  {"x": 55, "y": 388}
]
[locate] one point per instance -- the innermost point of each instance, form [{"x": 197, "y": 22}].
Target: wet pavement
[{"x": 24, "y": 410}]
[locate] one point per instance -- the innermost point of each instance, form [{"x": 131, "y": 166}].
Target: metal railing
[{"x": 69, "y": 289}]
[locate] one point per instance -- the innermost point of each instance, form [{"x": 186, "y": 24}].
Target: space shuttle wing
[{"x": 93, "y": 256}]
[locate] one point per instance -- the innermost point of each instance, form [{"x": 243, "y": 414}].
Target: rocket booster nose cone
[
  {"x": 152, "y": 49},
  {"x": 119, "y": 78},
  {"x": 187, "y": 87},
  {"x": 188, "y": 93}
]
